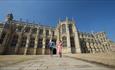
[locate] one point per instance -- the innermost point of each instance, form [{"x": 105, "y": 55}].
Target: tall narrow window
[
  {"x": 63, "y": 28},
  {"x": 70, "y": 28},
  {"x": 40, "y": 42},
  {"x": 23, "y": 43},
  {"x": 34, "y": 30},
  {"x": 64, "y": 39},
  {"x": 19, "y": 28},
  {"x": 31, "y": 44},
  {"x": 52, "y": 33},
  {"x": 41, "y": 31},
  {"x": 27, "y": 29},
  {"x": 47, "y": 32},
  {"x": 14, "y": 41}
]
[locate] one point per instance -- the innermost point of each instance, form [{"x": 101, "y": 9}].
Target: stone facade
[
  {"x": 112, "y": 46},
  {"x": 18, "y": 37}
]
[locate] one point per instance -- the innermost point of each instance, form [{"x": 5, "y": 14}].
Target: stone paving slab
[
  {"x": 13, "y": 59},
  {"x": 47, "y": 62},
  {"x": 107, "y": 59}
]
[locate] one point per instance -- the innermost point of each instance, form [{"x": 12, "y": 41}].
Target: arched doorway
[{"x": 72, "y": 41}]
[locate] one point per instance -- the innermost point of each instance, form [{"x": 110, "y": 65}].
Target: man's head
[{"x": 50, "y": 40}]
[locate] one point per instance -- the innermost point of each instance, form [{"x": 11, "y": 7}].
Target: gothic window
[
  {"x": 41, "y": 31},
  {"x": 52, "y": 33},
  {"x": 14, "y": 40},
  {"x": 72, "y": 41},
  {"x": 64, "y": 39},
  {"x": 40, "y": 42},
  {"x": 63, "y": 28},
  {"x": 70, "y": 28},
  {"x": 19, "y": 28},
  {"x": 23, "y": 43},
  {"x": 47, "y": 42},
  {"x": 47, "y": 32},
  {"x": 31, "y": 44},
  {"x": 27, "y": 29},
  {"x": 34, "y": 30}
]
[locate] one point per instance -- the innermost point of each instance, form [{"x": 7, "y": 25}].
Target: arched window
[
  {"x": 41, "y": 31},
  {"x": 19, "y": 28},
  {"x": 23, "y": 42},
  {"x": 14, "y": 40},
  {"x": 34, "y": 30},
  {"x": 64, "y": 39},
  {"x": 70, "y": 28},
  {"x": 31, "y": 43},
  {"x": 53, "y": 33},
  {"x": 27, "y": 29},
  {"x": 63, "y": 28},
  {"x": 40, "y": 44},
  {"x": 47, "y": 32}
]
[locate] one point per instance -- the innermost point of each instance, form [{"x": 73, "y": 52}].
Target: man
[{"x": 51, "y": 46}]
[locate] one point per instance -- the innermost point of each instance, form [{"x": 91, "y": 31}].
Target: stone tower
[
  {"x": 67, "y": 32},
  {"x": 9, "y": 17},
  {"x": 7, "y": 33}
]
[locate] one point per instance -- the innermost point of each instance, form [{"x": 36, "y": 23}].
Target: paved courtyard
[{"x": 45, "y": 62}]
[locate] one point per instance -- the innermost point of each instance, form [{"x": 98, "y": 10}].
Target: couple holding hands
[{"x": 58, "y": 47}]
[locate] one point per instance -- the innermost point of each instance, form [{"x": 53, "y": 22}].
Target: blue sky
[{"x": 90, "y": 15}]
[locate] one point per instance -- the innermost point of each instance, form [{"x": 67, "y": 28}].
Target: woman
[{"x": 59, "y": 48}]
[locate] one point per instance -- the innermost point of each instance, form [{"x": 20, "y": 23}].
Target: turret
[{"x": 9, "y": 17}]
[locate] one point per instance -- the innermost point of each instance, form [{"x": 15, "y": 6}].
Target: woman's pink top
[{"x": 59, "y": 47}]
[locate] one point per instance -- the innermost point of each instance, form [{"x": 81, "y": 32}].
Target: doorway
[{"x": 72, "y": 41}]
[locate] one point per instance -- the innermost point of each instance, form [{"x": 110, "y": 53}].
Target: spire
[
  {"x": 73, "y": 20},
  {"x": 59, "y": 21},
  {"x": 66, "y": 18}
]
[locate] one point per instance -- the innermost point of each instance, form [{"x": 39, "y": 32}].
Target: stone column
[
  {"x": 36, "y": 41},
  {"x": 68, "y": 36},
  {"x": 27, "y": 42},
  {"x": 77, "y": 42},
  {"x": 44, "y": 41}
]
